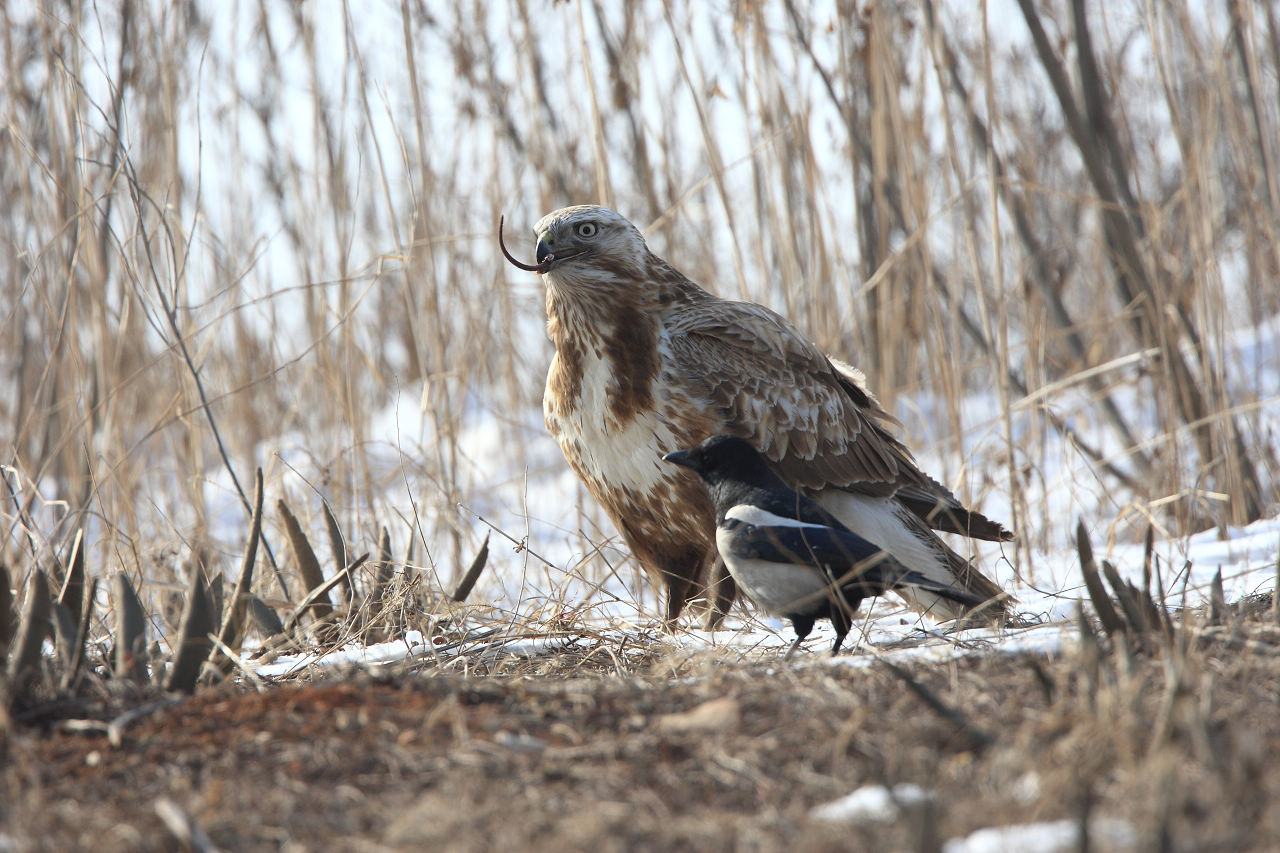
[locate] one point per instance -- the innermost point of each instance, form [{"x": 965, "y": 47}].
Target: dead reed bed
[{"x": 261, "y": 237}]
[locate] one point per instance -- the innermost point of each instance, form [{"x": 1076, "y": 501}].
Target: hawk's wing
[{"x": 810, "y": 416}]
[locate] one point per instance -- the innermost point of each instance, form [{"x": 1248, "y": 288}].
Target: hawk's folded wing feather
[{"x": 809, "y": 415}]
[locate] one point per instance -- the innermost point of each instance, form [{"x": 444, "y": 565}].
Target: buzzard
[{"x": 648, "y": 363}]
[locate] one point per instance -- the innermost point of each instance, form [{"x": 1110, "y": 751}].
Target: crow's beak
[{"x": 679, "y": 457}]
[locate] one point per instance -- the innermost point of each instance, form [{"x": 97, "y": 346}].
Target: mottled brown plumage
[{"x": 647, "y": 362}]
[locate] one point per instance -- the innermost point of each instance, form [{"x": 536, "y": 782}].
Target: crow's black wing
[{"x": 843, "y": 556}]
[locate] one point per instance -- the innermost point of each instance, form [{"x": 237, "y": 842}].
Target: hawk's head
[{"x": 586, "y": 246}]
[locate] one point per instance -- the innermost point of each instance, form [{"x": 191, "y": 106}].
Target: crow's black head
[{"x": 724, "y": 458}]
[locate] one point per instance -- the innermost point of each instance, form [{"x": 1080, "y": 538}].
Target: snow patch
[
  {"x": 873, "y": 804},
  {"x": 1051, "y": 837}
]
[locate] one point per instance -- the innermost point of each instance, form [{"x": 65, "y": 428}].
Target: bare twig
[
  {"x": 233, "y": 619},
  {"x": 977, "y": 737},
  {"x": 339, "y": 548},
  {"x": 1093, "y": 583},
  {"x": 468, "y": 581},
  {"x": 131, "y": 630},
  {"x": 319, "y": 594},
  {"x": 308, "y": 564},
  {"x": 183, "y": 827},
  {"x": 33, "y": 627}
]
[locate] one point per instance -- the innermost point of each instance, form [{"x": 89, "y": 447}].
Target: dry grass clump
[{"x": 209, "y": 630}]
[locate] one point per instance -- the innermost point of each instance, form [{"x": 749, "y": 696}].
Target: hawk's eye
[{"x": 587, "y": 230}]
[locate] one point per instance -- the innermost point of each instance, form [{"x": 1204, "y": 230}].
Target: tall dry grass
[{"x": 237, "y": 232}]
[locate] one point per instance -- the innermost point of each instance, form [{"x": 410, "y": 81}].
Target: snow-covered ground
[
  {"x": 877, "y": 804},
  {"x": 1246, "y": 557},
  {"x": 522, "y": 487}
]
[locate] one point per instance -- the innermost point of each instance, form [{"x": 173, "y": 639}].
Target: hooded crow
[{"x": 792, "y": 557}]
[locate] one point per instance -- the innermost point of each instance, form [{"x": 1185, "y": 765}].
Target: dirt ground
[{"x": 684, "y": 753}]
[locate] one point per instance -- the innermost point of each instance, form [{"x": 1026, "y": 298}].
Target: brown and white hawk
[{"x": 647, "y": 362}]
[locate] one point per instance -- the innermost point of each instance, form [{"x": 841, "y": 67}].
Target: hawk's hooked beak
[
  {"x": 543, "y": 252},
  {"x": 547, "y": 260}
]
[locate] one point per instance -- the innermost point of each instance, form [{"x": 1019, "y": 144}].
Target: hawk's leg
[
  {"x": 680, "y": 587},
  {"x": 721, "y": 592},
  {"x": 710, "y": 595}
]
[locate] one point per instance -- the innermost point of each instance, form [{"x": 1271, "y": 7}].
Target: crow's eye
[{"x": 587, "y": 230}]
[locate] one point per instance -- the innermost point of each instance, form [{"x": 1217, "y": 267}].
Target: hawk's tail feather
[
  {"x": 994, "y": 604},
  {"x": 942, "y": 511}
]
